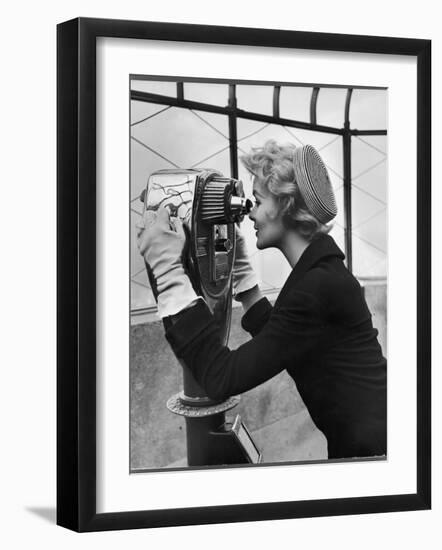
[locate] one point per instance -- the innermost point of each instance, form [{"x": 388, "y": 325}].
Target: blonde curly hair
[{"x": 272, "y": 164}]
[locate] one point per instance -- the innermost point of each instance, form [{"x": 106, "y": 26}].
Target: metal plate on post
[{"x": 176, "y": 405}]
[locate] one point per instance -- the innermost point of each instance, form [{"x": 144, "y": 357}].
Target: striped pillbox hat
[{"x": 314, "y": 183}]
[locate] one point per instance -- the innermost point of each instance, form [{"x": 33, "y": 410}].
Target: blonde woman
[{"x": 319, "y": 328}]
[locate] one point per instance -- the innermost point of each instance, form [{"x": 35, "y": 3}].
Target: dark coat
[{"x": 320, "y": 331}]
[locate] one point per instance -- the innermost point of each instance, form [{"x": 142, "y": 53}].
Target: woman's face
[{"x": 266, "y": 218}]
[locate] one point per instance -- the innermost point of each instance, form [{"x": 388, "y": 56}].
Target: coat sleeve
[
  {"x": 291, "y": 333},
  {"x": 255, "y": 319}
]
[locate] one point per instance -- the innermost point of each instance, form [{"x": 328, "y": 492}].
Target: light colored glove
[
  {"x": 244, "y": 277},
  {"x": 161, "y": 240}
]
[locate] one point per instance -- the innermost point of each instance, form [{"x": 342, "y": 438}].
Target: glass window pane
[
  {"x": 330, "y": 107},
  {"x": 160, "y": 87},
  {"x": 368, "y": 110},
  {"x": 368, "y": 262},
  {"x": 141, "y": 111},
  {"x": 203, "y": 92},
  {"x": 143, "y": 163},
  {"x": 319, "y": 140},
  {"x": 219, "y": 161},
  {"x": 378, "y": 143},
  {"x": 369, "y": 206},
  {"x": 181, "y": 137},
  {"x": 365, "y": 157},
  {"x": 294, "y": 103},
  {"x": 369, "y": 167},
  {"x": 255, "y": 134},
  {"x": 255, "y": 99}
]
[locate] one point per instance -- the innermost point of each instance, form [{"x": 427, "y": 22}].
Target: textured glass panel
[
  {"x": 373, "y": 230},
  {"x": 364, "y": 206},
  {"x": 374, "y": 182},
  {"x": 140, "y": 111},
  {"x": 330, "y": 107},
  {"x": 219, "y": 161},
  {"x": 218, "y": 123},
  {"x": 143, "y": 163},
  {"x": 369, "y": 206},
  {"x": 247, "y": 128},
  {"x": 203, "y": 92},
  {"x": 311, "y": 137},
  {"x": 159, "y": 87},
  {"x": 367, "y": 260},
  {"x": 180, "y": 136},
  {"x": 364, "y": 157},
  {"x": 378, "y": 143},
  {"x": 255, "y": 99},
  {"x": 368, "y": 110},
  {"x": 294, "y": 103},
  {"x": 255, "y": 134},
  {"x": 369, "y": 235},
  {"x": 370, "y": 165}
]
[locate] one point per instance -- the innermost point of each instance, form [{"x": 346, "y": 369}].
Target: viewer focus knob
[{"x": 221, "y": 203}]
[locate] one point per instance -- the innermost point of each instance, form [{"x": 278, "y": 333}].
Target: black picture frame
[{"x": 76, "y": 273}]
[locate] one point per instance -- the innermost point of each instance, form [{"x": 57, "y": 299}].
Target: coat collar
[{"x": 321, "y": 247}]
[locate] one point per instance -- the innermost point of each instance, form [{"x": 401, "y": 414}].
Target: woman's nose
[{"x": 252, "y": 214}]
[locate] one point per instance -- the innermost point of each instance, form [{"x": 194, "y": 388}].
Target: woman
[{"x": 319, "y": 328}]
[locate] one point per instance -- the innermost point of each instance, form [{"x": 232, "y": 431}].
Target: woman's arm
[
  {"x": 250, "y": 298},
  {"x": 291, "y": 334},
  {"x": 288, "y": 336}
]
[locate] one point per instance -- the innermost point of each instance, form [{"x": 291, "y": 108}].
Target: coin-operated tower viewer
[{"x": 209, "y": 204}]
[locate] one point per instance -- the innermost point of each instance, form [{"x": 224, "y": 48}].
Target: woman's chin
[
  {"x": 262, "y": 244},
  {"x": 259, "y": 244}
]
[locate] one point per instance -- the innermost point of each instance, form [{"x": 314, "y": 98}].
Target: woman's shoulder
[{"x": 327, "y": 281}]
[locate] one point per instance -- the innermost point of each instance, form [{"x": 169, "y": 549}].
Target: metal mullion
[
  {"x": 346, "y": 150},
  {"x": 276, "y": 96},
  {"x": 346, "y": 145},
  {"x": 233, "y": 132},
  {"x": 174, "y": 102},
  {"x": 313, "y": 104},
  {"x": 180, "y": 91},
  {"x": 368, "y": 132},
  {"x": 177, "y": 102},
  {"x": 290, "y": 123}
]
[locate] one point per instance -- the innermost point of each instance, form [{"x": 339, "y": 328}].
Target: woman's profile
[{"x": 319, "y": 329}]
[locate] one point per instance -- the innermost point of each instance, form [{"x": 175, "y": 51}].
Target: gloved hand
[
  {"x": 244, "y": 277},
  {"x": 161, "y": 240}
]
